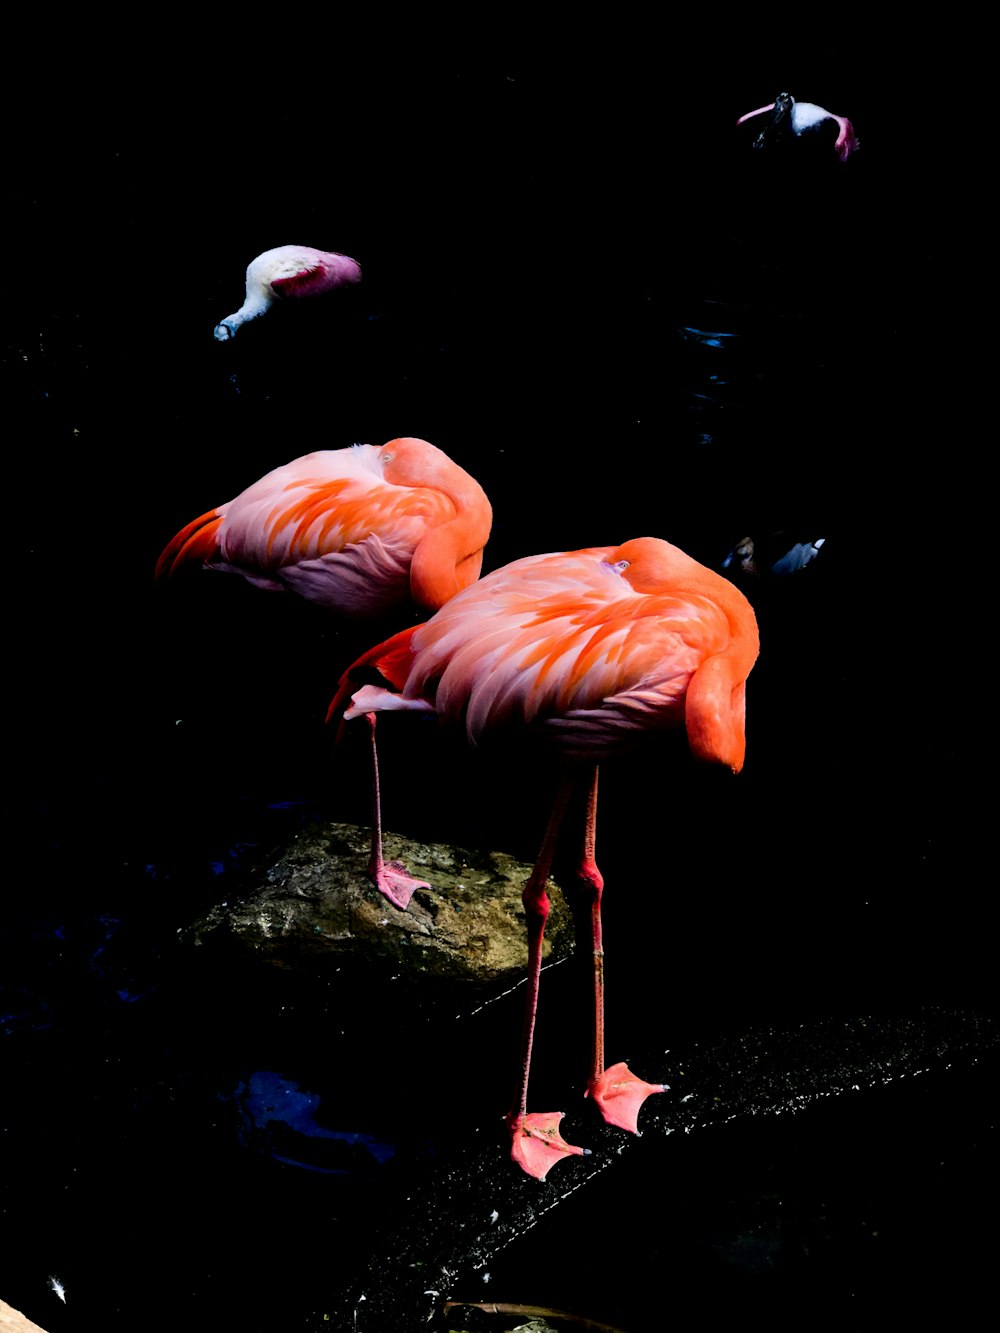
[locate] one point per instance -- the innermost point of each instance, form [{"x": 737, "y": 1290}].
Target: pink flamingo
[
  {"x": 286, "y": 272},
  {"x": 357, "y": 530},
  {"x": 804, "y": 118},
  {"x": 593, "y": 652}
]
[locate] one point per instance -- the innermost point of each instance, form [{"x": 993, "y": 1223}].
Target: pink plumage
[
  {"x": 591, "y": 652},
  {"x": 357, "y": 530},
  {"x": 288, "y": 272},
  {"x": 576, "y": 645}
]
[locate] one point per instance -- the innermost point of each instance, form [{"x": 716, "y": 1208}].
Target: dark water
[{"x": 582, "y": 284}]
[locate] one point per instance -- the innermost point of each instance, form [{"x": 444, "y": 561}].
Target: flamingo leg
[
  {"x": 391, "y": 877},
  {"x": 616, "y": 1090},
  {"x": 536, "y": 1144}
]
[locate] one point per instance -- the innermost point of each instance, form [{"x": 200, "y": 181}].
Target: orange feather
[
  {"x": 593, "y": 652},
  {"x": 358, "y": 530}
]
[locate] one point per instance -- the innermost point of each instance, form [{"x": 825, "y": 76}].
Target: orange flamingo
[
  {"x": 593, "y": 652},
  {"x": 357, "y": 530},
  {"x": 804, "y": 119},
  {"x": 289, "y": 271}
]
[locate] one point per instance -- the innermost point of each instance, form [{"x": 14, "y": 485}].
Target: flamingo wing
[
  {"x": 324, "y": 503},
  {"x": 331, "y": 527},
  {"x": 566, "y": 643},
  {"x": 196, "y": 543}
]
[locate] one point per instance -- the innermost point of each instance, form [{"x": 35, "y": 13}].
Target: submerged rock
[{"x": 314, "y": 902}]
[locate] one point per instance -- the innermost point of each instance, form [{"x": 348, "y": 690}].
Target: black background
[{"x": 542, "y": 218}]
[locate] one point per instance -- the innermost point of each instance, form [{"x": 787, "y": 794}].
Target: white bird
[
  {"x": 287, "y": 272},
  {"x": 803, "y": 118},
  {"x": 773, "y": 556}
]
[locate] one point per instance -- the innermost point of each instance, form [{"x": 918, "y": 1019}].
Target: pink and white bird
[
  {"x": 285, "y": 273},
  {"x": 357, "y": 530},
  {"x": 803, "y": 119},
  {"x": 589, "y": 653}
]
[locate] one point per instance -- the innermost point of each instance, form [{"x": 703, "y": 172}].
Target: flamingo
[
  {"x": 803, "y": 118},
  {"x": 592, "y": 653},
  {"x": 357, "y": 530},
  {"x": 285, "y": 272}
]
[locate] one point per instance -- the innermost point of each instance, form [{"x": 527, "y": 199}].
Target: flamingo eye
[
  {"x": 621, "y": 565},
  {"x": 387, "y": 457}
]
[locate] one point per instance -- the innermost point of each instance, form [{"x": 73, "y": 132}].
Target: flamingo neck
[
  {"x": 715, "y": 706},
  {"x": 448, "y": 559},
  {"x": 450, "y": 556}
]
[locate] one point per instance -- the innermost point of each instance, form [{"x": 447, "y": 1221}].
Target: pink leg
[
  {"x": 536, "y": 1142},
  {"x": 391, "y": 877},
  {"x": 617, "y": 1091}
]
